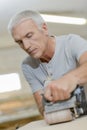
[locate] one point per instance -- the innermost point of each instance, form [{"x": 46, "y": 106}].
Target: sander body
[{"x": 66, "y": 110}]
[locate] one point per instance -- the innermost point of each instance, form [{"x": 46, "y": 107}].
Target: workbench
[{"x": 77, "y": 124}]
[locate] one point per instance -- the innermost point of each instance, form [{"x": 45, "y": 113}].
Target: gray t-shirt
[{"x": 68, "y": 50}]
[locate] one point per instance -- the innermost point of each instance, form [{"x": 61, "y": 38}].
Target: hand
[{"x": 60, "y": 89}]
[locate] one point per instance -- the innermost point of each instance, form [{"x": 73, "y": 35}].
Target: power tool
[{"x": 66, "y": 110}]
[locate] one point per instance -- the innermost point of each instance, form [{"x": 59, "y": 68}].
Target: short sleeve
[
  {"x": 78, "y": 46},
  {"x": 31, "y": 79}
]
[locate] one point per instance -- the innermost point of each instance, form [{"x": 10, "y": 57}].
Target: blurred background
[{"x": 17, "y": 105}]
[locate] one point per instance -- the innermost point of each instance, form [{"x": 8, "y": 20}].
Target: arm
[
  {"x": 61, "y": 89},
  {"x": 38, "y": 99},
  {"x": 80, "y": 73}
]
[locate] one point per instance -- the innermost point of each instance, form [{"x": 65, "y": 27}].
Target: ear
[{"x": 45, "y": 28}]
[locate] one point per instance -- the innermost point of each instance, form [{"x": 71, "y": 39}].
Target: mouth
[{"x": 32, "y": 51}]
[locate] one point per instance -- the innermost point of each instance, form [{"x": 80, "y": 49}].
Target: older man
[{"x": 56, "y": 64}]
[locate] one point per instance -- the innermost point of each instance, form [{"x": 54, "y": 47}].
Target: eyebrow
[
  {"x": 17, "y": 41},
  {"x": 28, "y": 33},
  {"x": 24, "y": 36}
]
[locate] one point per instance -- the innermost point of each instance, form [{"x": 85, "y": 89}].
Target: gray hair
[{"x": 24, "y": 15}]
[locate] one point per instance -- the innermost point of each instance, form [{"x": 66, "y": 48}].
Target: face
[{"x": 31, "y": 38}]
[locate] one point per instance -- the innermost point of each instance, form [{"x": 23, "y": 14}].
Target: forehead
[
  {"x": 23, "y": 27},
  {"x": 24, "y": 23}
]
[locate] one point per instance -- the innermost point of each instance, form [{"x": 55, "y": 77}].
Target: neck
[
  {"x": 45, "y": 59},
  {"x": 50, "y": 49}
]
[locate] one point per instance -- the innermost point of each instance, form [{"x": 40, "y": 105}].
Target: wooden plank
[{"x": 77, "y": 124}]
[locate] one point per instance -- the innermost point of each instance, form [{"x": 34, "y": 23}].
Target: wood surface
[{"x": 77, "y": 124}]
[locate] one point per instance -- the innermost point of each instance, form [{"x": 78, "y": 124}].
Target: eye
[
  {"x": 19, "y": 42},
  {"x": 29, "y": 35}
]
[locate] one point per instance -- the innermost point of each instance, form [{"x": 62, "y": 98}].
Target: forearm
[
  {"x": 38, "y": 99},
  {"x": 41, "y": 108},
  {"x": 79, "y": 75},
  {"x": 62, "y": 88}
]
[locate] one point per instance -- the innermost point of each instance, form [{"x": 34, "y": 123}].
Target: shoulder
[
  {"x": 71, "y": 38},
  {"x": 30, "y": 62},
  {"x": 68, "y": 36},
  {"x": 27, "y": 60}
]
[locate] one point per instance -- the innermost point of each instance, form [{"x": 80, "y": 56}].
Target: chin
[{"x": 36, "y": 56}]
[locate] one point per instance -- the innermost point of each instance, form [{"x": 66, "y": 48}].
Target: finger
[
  {"x": 59, "y": 94},
  {"x": 67, "y": 95},
  {"x": 48, "y": 94},
  {"x": 55, "y": 93}
]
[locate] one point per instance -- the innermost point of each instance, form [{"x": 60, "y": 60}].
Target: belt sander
[{"x": 66, "y": 110}]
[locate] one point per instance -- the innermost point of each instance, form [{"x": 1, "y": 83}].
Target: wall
[{"x": 10, "y": 62}]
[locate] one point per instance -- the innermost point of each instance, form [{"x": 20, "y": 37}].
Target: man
[{"x": 56, "y": 64}]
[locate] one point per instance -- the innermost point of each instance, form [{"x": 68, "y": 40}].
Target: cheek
[
  {"x": 42, "y": 48},
  {"x": 39, "y": 40}
]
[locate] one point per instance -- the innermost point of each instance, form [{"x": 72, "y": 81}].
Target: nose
[{"x": 26, "y": 44}]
